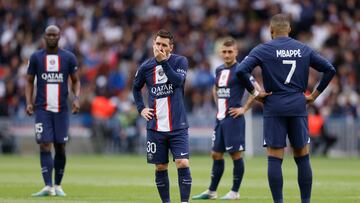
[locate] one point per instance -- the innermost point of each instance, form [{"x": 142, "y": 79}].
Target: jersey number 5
[{"x": 292, "y": 70}]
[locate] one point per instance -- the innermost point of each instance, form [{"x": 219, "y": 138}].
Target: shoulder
[
  {"x": 179, "y": 58},
  {"x": 150, "y": 62},
  {"x": 37, "y": 53},
  {"x": 258, "y": 49},
  {"x": 67, "y": 53},
  {"x": 219, "y": 68}
]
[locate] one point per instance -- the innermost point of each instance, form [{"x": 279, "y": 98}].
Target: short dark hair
[
  {"x": 229, "y": 41},
  {"x": 280, "y": 22},
  {"x": 165, "y": 34}
]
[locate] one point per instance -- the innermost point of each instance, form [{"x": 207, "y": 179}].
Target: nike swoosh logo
[
  {"x": 162, "y": 79},
  {"x": 183, "y": 154},
  {"x": 228, "y": 148}
]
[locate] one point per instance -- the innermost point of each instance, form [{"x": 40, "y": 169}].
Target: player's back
[{"x": 285, "y": 66}]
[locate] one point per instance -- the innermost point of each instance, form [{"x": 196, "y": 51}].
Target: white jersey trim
[
  {"x": 52, "y": 97},
  {"x": 163, "y": 114}
]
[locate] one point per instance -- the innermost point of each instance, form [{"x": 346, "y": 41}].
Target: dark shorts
[
  {"x": 229, "y": 135},
  {"x": 51, "y": 127},
  {"x": 158, "y": 145},
  {"x": 277, "y": 128}
]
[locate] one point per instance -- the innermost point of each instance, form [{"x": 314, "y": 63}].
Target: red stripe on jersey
[
  {"x": 58, "y": 97},
  {"x": 59, "y": 63},
  {"x": 227, "y": 80},
  {"x": 46, "y": 97},
  {"x": 59, "y": 66},
  {"x": 169, "y": 114},
  {"x": 45, "y": 61},
  {"x": 154, "y": 75},
  {"x": 226, "y": 106},
  {"x": 227, "y": 100},
  {"x": 156, "y": 120}
]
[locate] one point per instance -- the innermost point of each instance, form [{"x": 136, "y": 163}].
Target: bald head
[
  {"x": 52, "y": 36},
  {"x": 280, "y": 25}
]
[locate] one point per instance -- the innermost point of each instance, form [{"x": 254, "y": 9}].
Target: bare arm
[
  {"x": 236, "y": 112},
  {"x": 29, "y": 91},
  {"x": 214, "y": 94},
  {"x": 75, "y": 87}
]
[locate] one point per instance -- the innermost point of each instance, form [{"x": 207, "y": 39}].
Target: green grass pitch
[{"x": 130, "y": 179}]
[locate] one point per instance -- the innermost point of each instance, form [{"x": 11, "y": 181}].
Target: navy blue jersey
[
  {"x": 165, "y": 84},
  {"x": 229, "y": 90},
  {"x": 285, "y": 66},
  {"x": 52, "y": 72}
]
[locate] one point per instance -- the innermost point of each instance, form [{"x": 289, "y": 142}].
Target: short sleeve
[
  {"x": 32, "y": 65},
  {"x": 73, "y": 65}
]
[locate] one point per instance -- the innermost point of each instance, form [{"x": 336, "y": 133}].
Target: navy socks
[
  {"x": 304, "y": 177},
  {"x": 47, "y": 163},
  {"x": 238, "y": 173},
  {"x": 275, "y": 178},
  {"x": 59, "y": 165},
  {"x": 216, "y": 173},
  {"x": 184, "y": 183},
  {"x": 162, "y": 184}
]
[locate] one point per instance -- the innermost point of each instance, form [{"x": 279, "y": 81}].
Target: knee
[
  {"x": 182, "y": 163},
  {"x": 59, "y": 148},
  {"x": 236, "y": 155},
  {"x": 45, "y": 147},
  {"x": 217, "y": 155},
  {"x": 161, "y": 167},
  {"x": 301, "y": 152}
]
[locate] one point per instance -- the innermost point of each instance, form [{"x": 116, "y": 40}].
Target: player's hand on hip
[
  {"x": 309, "y": 99},
  {"x": 236, "y": 112},
  {"x": 159, "y": 54},
  {"x": 147, "y": 113},
  {"x": 262, "y": 95},
  {"x": 75, "y": 106},
  {"x": 312, "y": 97},
  {"x": 29, "y": 109}
]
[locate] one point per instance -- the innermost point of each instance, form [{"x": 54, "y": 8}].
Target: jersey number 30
[{"x": 292, "y": 70}]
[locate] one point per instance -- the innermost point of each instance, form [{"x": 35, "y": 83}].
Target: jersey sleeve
[
  {"x": 138, "y": 84},
  {"x": 217, "y": 72},
  {"x": 32, "y": 65},
  {"x": 176, "y": 77},
  {"x": 73, "y": 63},
  {"x": 245, "y": 68},
  {"x": 320, "y": 64}
]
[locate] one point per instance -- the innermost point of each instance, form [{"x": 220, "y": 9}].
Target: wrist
[
  {"x": 76, "y": 98},
  {"x": 255, "y": 93}
]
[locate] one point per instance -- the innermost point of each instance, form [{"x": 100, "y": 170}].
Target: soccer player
[
  {"x": 167, "y": 125},
  {"x": 285, "y": 66},
  {"x": 229, "y": 132},
  {"x": 52, "y": 66}
]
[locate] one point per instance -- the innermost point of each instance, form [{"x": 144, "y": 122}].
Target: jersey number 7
[{"x": 292, "y": 70}]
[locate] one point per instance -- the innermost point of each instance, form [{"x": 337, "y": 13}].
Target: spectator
[{"x": 318, "y": 133}]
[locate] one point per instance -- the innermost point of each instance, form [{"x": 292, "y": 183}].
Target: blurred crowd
[{"x": 112, "y": 37}]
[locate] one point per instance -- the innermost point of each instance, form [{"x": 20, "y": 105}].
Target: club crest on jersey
[
  {"x": 160, "y": 77},
  {"x": 224, "y": 78},
  {"x": 52, "y": 63}
]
